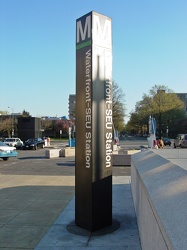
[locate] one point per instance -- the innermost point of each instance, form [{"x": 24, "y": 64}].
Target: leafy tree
[
  {"x": 163, "y": 104},
  {"x": 6, "y": 126},
  {"x": 3, "y": 112},
  {"x": 47, "y": 124},
  {"x": 118, "y": 107},
  {"x": 62, "y": 125},
  {"x": 133, "y": 126},
  {"x": 183, "y": 125},
  {"x": 25, "y": 113}
]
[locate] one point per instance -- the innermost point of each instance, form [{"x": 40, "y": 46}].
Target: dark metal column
[{"x": 93, "y": 174}]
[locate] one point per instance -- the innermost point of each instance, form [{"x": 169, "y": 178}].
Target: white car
[
  {"x": 7, "y": 151},
  {"x": 180, "y": 141},
  {"x": 14, "y": 142}
]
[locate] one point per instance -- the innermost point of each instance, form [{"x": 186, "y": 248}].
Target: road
[
  {"x": 132, "y": 142},
  {"x": 29, "y": 162}
]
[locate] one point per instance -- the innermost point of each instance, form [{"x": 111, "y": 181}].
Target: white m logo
[
  {"x": 102, "y": 33},
  {"x": 87, "y": 29}
]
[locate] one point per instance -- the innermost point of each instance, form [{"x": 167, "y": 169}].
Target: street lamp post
[{"x": 12, "y": 115}]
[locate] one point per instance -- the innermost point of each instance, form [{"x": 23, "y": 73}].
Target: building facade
[
  {"x": 72, "y": 104},
  {"x": 183, "y": 98}
]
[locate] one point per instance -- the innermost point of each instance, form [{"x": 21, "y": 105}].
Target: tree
[
  {"x": 133, "y": 126},
  {"x": 161, "y": 103},
  {"x": 118, "y": 107},
  {"x": 25, "y": 113},
  {"x": 3, "y": 112},
  {"x": 61, "y": 125},
  {"x": 164, "y": 104},
  {"x": 6, "y": 126},
  {"x": 47, "y": 124},
  {"x": 183, "y": 126}
]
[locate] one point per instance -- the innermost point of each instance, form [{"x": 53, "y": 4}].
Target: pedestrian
[
  {"x": 161, "y": 143},
  {"x": 48, "y": 141},
  {"x": 155, "y": 144}
]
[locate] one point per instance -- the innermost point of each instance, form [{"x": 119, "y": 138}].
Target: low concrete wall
[
  {"x": 160, "y": 201},
  {"x": 65, "y": 152},
  {"x": 52, "y": 153},
  {"x": 123, "y": 158}
]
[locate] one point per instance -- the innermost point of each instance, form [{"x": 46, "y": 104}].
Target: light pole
[
  {"x": 12, "y": 120},
  {"x": 167, "y": 131}
]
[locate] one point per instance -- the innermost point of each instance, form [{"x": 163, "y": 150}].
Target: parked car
[
  {"x": 34, "y": 143},
  {"x": 14, "y": 142},
  {"x": 167, "y": 141},
  {"x": 180, "y": 141},
  {"x": 7, "y": 151}
]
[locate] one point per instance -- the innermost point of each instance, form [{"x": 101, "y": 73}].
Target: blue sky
[{"x": 37, "y": 50}]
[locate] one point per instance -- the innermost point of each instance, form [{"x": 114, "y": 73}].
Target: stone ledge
[{"x": 159, "y": 194}]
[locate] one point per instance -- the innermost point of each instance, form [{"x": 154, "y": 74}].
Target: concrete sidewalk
[
  {"x": 37, "y": 205},
  {"x": 125, "y": 237},
  {"x": 33, "y": 192}
]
